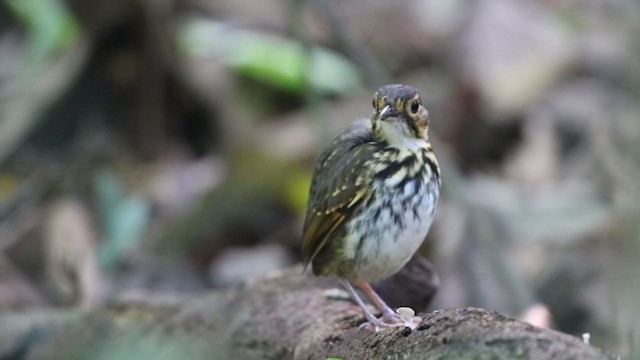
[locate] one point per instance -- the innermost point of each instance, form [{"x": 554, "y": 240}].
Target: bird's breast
[{"x": 392, "y": 224}]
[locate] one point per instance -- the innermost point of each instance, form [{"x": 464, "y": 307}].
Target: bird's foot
[{"x": 404, "y": 317}]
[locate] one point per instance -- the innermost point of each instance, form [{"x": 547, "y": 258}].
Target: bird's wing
[{"x": 336, "y": 190}]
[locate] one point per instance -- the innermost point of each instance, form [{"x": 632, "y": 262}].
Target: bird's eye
[{"x": 415, "y": 105}]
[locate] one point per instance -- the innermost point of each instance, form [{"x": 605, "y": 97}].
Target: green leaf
[
  {"x": 280, "y": 62},
  {"x": 50, "y": 25},
  {"x": 297, "y": 190},
  {"x": 123, "y": 217}
]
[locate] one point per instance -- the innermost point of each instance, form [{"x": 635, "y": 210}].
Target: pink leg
[
  {"x": 389, "y": 316},
  {"x": 388, "y": 313},
  {"x": 368, "y": 314}
]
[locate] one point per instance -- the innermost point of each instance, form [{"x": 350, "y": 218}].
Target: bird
[{"x": 372, "y": 199}]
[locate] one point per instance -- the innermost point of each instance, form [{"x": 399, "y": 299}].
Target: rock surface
[{"x": 282, "y": 316}]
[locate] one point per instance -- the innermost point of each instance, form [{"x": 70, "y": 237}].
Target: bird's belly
[{"x": 382, "y": 242}]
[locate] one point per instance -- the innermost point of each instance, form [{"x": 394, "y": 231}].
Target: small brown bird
[{"x": 373, "y": 198}]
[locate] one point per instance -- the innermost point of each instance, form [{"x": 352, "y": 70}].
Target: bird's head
[{"x": 399, "y": 118}]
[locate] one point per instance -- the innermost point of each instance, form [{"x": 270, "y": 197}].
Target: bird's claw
[{"x": 404, "y": 317}]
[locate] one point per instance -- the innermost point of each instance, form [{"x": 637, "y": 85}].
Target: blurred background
[{"x": 167, "y": 146}]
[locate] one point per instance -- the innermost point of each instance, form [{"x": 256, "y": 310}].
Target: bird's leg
[
  {"x": 370, "y": 317},
  {"x": 389, "y": 315}
]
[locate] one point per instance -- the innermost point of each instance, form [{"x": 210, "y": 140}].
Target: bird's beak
[{"x": 386, "y": 112}]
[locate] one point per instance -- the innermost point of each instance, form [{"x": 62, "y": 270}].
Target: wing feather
[{"x": 337, "y": 188}]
